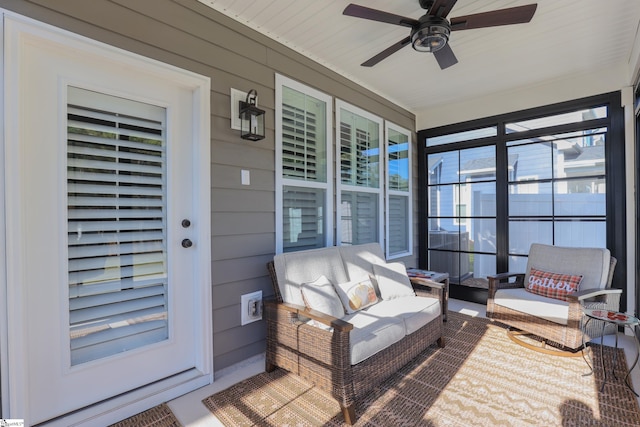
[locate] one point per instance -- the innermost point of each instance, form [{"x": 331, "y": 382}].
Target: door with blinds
[{"x": 109, "y": 231}]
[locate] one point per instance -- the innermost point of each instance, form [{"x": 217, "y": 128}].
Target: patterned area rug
[
  {"x": 480, "y": 378},
  {"x": 159, "y": 416}
]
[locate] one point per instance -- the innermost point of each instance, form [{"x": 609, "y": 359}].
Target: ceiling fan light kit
[
  {"x": 431, "y": 32},
  {"x": 431, "y": 35}
]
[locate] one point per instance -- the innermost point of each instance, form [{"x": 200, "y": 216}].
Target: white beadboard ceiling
[{"x": 564, "y": 37}]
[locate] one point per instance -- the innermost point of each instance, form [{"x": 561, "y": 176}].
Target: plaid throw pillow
[{"x": 552, "y": 285}]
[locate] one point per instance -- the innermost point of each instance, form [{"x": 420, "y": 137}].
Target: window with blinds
[
  {"x": 360, "y": 189},
  {"x": 117, "y": 255},
  {"x": 303, "y": 189},
  {"x": 399, "y": 215}
]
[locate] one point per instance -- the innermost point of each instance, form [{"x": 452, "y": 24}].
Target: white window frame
[
  {"x": 340, "y": 187},
  {"x": 281, "y": 182},
  {"x": 389, "y": 192}
]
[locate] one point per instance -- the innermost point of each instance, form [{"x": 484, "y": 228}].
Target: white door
[{"x": 108, "y": 265}]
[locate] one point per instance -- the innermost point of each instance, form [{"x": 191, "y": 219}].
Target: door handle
[{"x": 186, "y": 243}]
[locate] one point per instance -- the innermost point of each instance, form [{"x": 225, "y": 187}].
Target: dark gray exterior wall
[{"x": 189, "y": 35}]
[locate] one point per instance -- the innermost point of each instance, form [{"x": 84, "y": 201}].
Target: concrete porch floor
[{"x": 192, "y": 413}]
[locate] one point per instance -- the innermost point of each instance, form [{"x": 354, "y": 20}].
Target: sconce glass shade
[
  {"x": 251, "y": 118},
  {"x": 432, "y": 34}
]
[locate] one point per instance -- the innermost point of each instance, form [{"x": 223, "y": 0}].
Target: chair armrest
[
  {"x": 334, "y": 322},
  {"x": 501, "y": 281},
  {"x": 418, "y": 282},
  {"x": 590, "y": 293}
]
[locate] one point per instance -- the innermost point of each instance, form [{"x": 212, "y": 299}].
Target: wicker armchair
[
  {"x": 323, "y": 356},
  {"x": 595, "y": 292}
]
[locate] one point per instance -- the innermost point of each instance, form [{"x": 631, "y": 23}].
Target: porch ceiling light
[
  {"x": 431, "y": 35},
  {"x": 251, "y": 118}
]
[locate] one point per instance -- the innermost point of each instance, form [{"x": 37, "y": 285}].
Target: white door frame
[{"x": 17, "y": 30}]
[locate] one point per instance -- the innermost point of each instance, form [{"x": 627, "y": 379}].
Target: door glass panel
[
  {"x": 116, "y": 195},
  {"x": 581, "y": 233},
  {"x": 558, "y": 119},
  {"x": 523, "y": 233}
]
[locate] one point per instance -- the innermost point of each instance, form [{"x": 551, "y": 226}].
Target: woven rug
[
  {"x": 480, "y": 378},
  {"x": 159, "y": 416}
]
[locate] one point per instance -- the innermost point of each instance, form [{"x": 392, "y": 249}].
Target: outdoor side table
[
  {"x": 419, "y": 276},
  {"x": 618, "y": 319}
]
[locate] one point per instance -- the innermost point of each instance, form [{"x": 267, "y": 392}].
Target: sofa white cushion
[
  {"x": 295, "y": 268},
  {"x": 372, "y": 334},
  {"x": 357, "y": 294},
  {"x": 519, "y": 299},
  {"x": 358, "y": 260},
  {"x": 320, "y": 295},
  {"x": 393, "y": 281},
  {"x": 414, "y": 311}
]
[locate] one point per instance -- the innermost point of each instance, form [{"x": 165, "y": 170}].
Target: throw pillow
[
  {"x": 357, "y": 294},
  {"x": 320, "y": 295},
  {"x": 552, "y": 285},
  {"x": 393, "y": 281}
]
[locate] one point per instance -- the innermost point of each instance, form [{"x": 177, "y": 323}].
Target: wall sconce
[{"x": 251, "y": 118}]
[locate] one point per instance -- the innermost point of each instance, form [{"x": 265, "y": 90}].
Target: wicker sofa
[
  {"x": 556, "y": 321},
  {"x": 346, "y": 356}
]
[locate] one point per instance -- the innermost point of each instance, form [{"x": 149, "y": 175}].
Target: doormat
[{"x": 159, "y": 416}]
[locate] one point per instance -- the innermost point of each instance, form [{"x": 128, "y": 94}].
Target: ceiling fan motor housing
[
  {"x": 431, "y": 35},
  {"x": 426, "y": 4}
]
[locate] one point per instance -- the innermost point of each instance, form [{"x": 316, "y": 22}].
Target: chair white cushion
[
  {"x": 519, "y": 299},
  {"x": 320, "y": 295},
  {"x": 414, "y": 311},
  {"x": 372, "y": 333},
  {"x": 590, "y": 263},
  {"x": 393, "y": 281}
]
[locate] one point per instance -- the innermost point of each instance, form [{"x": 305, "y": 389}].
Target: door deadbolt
[
  {"x": 186, "y": 223},
  {"x": 186, "y": 243}
]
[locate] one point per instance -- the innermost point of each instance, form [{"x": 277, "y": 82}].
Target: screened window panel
[
  {"x": 116, "y": 196},
  {"x": 399, "y": 163},
  {"x": 359, "y": 150},
  {"x": 303, "y": 137},
  {"x": 303, "y": 218},
  {"x": 359, "y": 217},
  {"x": 398, "y": 226}
]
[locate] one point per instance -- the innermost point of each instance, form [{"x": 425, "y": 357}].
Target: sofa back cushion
[
  {"x": 295, "y": 268},
  {"x": 321, "y": 295},
  {"x": 590, "y": 263},
  {"x": 358, "y": 260},
  {"x": 393, "y": 281}
]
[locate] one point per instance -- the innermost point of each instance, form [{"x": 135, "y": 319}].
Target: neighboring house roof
[{"x": 485, "y": 165}]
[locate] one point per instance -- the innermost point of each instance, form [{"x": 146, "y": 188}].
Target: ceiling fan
[{"x": 430, "y": 33}]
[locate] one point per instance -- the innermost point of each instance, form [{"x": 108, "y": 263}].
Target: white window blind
[
  {"x": 117, "y": 257},
  {"x": 303, "y": 186},
  {"x": 359, "y": 189},
  {"x": 399, "y": 205}
]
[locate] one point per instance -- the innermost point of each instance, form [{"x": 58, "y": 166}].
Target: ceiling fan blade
[
  {"x": 511, "y": 15},
  {"x": 378, "y": 15},
  {"x": 445, "y": 57},
  {"x": 441, "y": 8},
  {"x": 387, "y": 52}
]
